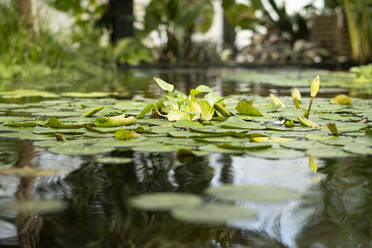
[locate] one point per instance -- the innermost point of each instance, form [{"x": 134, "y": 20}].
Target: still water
[{"x": 334, "y": 211}]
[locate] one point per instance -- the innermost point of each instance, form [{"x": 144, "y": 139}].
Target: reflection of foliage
[
  {"x": 343, "y": 217},
  {"x": 176, "y": 21}
]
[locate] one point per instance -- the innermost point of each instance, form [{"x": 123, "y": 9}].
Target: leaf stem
[{"x": 307, "y": 113}]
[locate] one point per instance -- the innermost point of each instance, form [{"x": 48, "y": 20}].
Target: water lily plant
[{"x": 176, "y": 106}]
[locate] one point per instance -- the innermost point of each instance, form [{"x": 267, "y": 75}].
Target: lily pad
[{"x": 275, "y": 153}]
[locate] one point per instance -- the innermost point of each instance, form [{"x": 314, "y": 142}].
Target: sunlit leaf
[
  {"x": 177, "y": 115},
  {"x": 296, "y": 94},
  {"x": 332, "y": 128},
  {"x": 164, "y": 85},
  {"x": 341, "y": 99},
  {"x": 113, "y": 121},
  {"x": 126, "y": 134},
  {"x": 246, "y": 108},
  {"x": 200, "y": 89},
  {"x": 315, "y": 86},
  {"x": 207, "y": 111},
  {"x": 93, "y": 111},
  {"x": 307, "y": 122},
  {"x": 277, "y": 101}
]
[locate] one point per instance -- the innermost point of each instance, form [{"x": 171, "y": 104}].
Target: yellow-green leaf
[
  {"x": 315, "y": 86},
  {"x": 93, "y": 111},
  {"x": 313, "y": 164},
  {"x": 332, "y": 127},
  {"x": 246, "y": 108},
  {"x": 277, "y": 101},
  {"x": 114, "y": 121},
  {"x": 341, "y": 99},
  {"x": 307, "y": 122},
  {"x": 164, "y": 85},
  {"x": 296, "y": 94},
  {"x": 125, "y": 134}
]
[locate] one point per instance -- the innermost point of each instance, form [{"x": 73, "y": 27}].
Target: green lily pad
[
  {"x": 253, "y": 193},
  {"x": 275, "y": 153},
  {"x": 165, "y": 201},
  {"x": 328, "y": 152},
  {"x": 358, "y": 149}
]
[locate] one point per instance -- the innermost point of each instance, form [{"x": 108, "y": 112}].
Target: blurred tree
[{"x": 27, "y": 11}]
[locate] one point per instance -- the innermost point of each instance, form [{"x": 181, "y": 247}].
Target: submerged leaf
[
  {"x": 341, "y": 99},
  {"x": 246, "y": 108},
  {"x": 40, "y": 207},
  {"x": 115, "y": 121}
]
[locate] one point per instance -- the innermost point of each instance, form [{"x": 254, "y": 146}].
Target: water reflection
[{"x": 29, "y": 224}]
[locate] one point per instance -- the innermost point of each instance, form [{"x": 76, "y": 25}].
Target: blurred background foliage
[{"x": 105, "y": 33}]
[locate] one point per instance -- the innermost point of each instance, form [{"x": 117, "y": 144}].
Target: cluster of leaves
[{"x": 176, "y": 106}]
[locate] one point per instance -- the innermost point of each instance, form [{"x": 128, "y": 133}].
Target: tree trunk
[{"x": 27, "y": 10}]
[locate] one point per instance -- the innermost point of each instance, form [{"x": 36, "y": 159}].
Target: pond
[{"x": 292, "y": 187}]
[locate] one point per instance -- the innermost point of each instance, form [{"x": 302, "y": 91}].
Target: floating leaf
[
  {"x": 86, "y": 95},
  {"x": 315, "y": 86},
  {"x": 358, "y": 149},
  {"x": 332, "y": 128},
  {"x": 93, "y": 111},
  {"x": 327, "y": 152},
  {"x": 124, "y": 134},
  {"x": 246, "y": 108},
  {"x": 341, "y": 99},
  {"x": 229, "y": 192},
  {"x": 165, "y": 201},
  {"x": 53, "y": 122},
  {"x": 296, "y": 94},
  {"x": 114, "y": 121},
  {"x": 212, "y": 214},
  {"x": 277, "y": 101},
  {"x": 164, "y": 85},
  {"x": 307, "y": 123},
  {"x": 275, "y": 153}
]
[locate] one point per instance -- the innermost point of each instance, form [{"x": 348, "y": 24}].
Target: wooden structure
[{"x": 330, "y": 31}]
